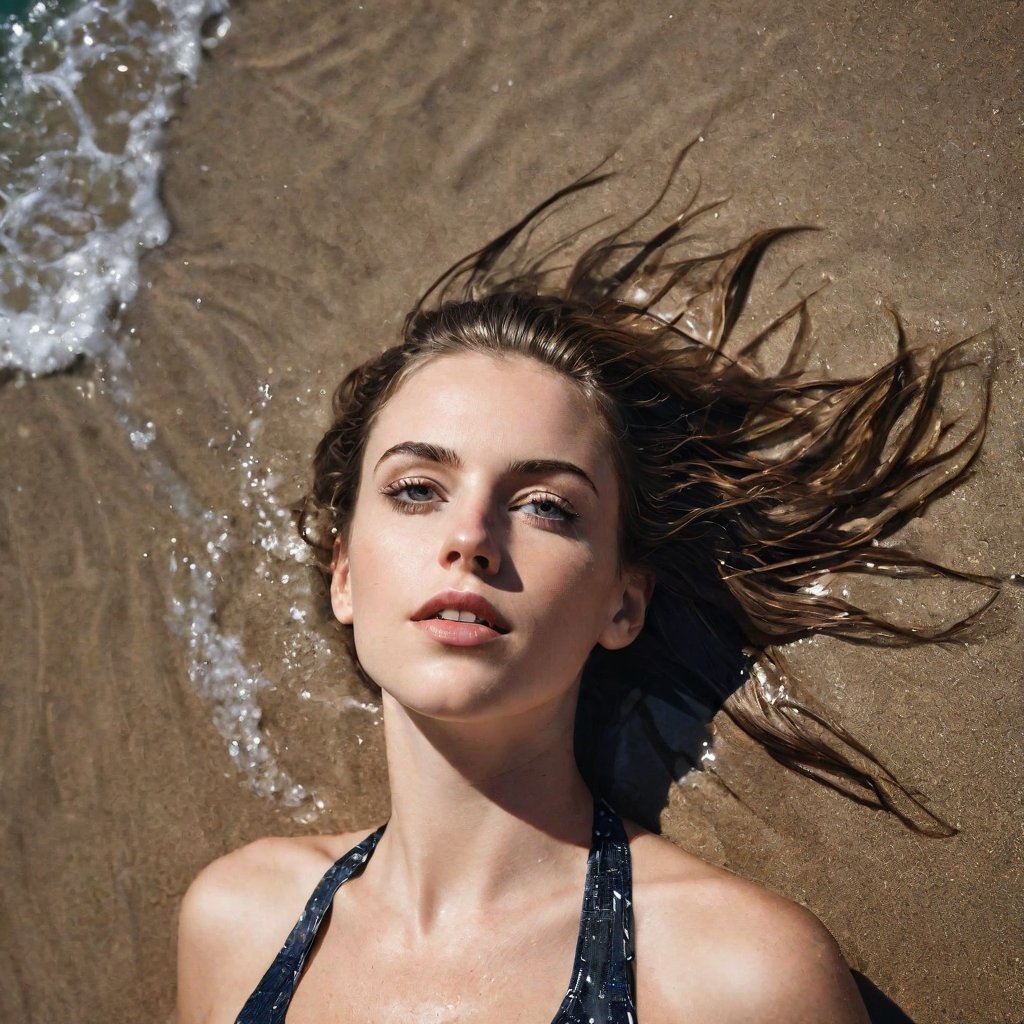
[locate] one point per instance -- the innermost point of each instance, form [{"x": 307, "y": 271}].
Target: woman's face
[{"x": 488, "y": 494}]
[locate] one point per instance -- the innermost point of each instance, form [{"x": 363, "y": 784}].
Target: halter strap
[{"x": 269, "y": 1002}]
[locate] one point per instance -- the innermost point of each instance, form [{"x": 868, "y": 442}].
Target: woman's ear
[
  {"x": 631, "y": 608},
  {"x": 341, "y": 589}
]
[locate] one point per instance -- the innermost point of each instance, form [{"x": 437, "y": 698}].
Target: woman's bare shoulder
[
  {"x": 237, "y": 914},
  {"x": 262, "y": 879},
  {"x": 710, "y": 941}
]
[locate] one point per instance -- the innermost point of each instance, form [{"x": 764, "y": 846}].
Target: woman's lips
[
  {"x": 440, "y": 619},
  {"x": 457, "y": 634}
]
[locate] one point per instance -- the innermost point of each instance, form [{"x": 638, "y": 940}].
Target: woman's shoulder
[
  {"x": 709, "y": 940},
  {"x": 263, "y": 880},
  {"x": 236, "y": 915}
]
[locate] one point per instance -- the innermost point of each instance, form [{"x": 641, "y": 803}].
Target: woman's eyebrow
[
  {"x": 521, "y": 467},
  {"x": 423, "y": 450},
  {"x": 538, "y": 467}
]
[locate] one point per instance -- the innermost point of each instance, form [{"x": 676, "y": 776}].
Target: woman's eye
[
  {"x": 417, "y": 492},
  {"x": 410, "y": 492},
  {"x": 548, "y": 507}
]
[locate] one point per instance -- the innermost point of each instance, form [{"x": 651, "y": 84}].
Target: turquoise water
[
  {"x": 33, "y": 16},
  {"x": 12, "y": 7}
]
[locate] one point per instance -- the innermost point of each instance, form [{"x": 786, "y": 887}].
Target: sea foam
[{"x": 85, "y": 91}]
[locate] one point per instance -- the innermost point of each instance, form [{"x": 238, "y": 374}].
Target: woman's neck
[{"x": 478, "y": 808}]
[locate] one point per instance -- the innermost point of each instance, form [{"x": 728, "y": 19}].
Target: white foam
[
  {"x": 86, "y": 95},
  {"x": 215, "y": 658}
]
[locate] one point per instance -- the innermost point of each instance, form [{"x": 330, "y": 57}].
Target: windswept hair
[{"x": 743, "y": 491}]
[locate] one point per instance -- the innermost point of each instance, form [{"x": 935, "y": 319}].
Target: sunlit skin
[{"x": 491, "y": 480}]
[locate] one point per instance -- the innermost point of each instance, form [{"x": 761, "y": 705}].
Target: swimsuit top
[{"x": 601, "y": 986}]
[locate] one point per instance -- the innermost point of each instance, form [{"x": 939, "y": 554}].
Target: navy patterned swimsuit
[{"x": 601, "y": 986}]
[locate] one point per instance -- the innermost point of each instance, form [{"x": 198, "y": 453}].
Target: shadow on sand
[{"x": 881, "y": 1009}]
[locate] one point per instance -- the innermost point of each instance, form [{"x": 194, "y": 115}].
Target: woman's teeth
[{"x": 451, "y": 615}]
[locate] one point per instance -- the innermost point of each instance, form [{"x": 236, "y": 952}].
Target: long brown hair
[{"x": 743, "y": 491}]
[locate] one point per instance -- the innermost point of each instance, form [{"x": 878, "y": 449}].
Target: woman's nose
[{"x": 471, "y": 539}]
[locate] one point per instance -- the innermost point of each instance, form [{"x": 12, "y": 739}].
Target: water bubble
[{"x": 141, "y": 439}]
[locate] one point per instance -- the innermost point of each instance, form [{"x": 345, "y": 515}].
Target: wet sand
[{"x": 328, "y": 164}]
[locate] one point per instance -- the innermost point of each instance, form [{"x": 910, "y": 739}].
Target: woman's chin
[
  {"x": 464, "y": 701},
  {"x": 449, "y": 704}
]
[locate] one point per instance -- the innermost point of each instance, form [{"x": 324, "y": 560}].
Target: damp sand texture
[{"x": 325, "y": 167}]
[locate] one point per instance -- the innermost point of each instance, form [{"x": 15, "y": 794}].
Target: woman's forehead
[{"x": 510, "y": 405}]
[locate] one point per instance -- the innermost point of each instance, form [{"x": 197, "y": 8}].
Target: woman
[{"x": 517, "y": 500}]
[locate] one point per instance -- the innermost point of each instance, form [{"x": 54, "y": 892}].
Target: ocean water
[
  {"x": 13, "y": 9},
  {"x": 85, "y": 91}
]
